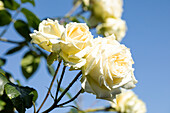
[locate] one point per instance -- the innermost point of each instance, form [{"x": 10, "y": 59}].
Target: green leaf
[
  {"x": 14, "y": 50},
  {"x": 30, "y": 1},
  {"x": 2, "y": 61},
  {"x": 8, "y": 107},
  {"x": 5, "y": 17},
  {"x": 52, "y": 57},
  {"x": 3, "y": 81},
  {"x": 2, "y": 104},
  {"x": 23, "y": 29},
  {"x": 74, "y": 19},
  {"x": 29, "y": 64},
  {"x": 20, "y": 96},
  {"x": 2, "y": 71},
  {"x": 11, "y": 4},
  {"x": 32, "y": 19}
]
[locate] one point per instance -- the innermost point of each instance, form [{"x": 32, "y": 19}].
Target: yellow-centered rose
[
  {"x": 49, "y": 32},
  {"x": 103, "y": 9},
  {"x": 113, "y": 26},
  {"x": 108, "y": 67},
  {"x": 1, "y": 5},
  {"x": 75, "y": 43},
  {"x": 128, "y": 102}
]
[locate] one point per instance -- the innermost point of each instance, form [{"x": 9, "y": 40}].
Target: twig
[
  {"x": 63, "y": 93},
  {"x": 71, "y": 99},
  {"x": 50, "y": 87},
  {"x": 100, "y": 109},
  {"x": 10, "y": 41},
  {"x": 77, "y": 4},
  {"x": 34, "y": 106},
  {"x": 59, "y": 83}
]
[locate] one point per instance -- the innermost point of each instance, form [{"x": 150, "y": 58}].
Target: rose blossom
[
  {"x": 113, "y": 26},
  {"x": 108, "y": 67},
  {"x": 75, "y": 43},
  {"x": 103, "y": 9},
  {"x": 128, "y": 102},
  {"x": 48, "y": 32}
]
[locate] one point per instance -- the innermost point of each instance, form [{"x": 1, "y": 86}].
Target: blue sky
[{"x": 148, "y": 37}]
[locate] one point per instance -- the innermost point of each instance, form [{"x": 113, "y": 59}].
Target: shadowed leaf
[
  {"x": 30, "y": 1},
  {"x": 23, "y": 29},
  {"x": 5, "y": 17},
  {"x": 29, "y": 64},
  {"x": 20, "y": 96},
  {"x": 11, "y": 4},
  {"x": 32, "y": 19}
]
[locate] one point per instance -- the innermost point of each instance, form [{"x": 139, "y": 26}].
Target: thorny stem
[{"x": 50, "y": 87}]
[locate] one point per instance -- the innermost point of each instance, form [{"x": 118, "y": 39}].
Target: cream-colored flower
[
  {"x": 108, "y": 67},
  {"x": 113, "y": 26},
  {"x": 128, "y": 102},
  {"x": 76, "y": 41},
  {"x": 103, "y": 9},
  {"x": 1, "y": 5},
  {"x": 49, "y": 32}
]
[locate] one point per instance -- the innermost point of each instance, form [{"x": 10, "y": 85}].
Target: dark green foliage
[
  {"x": 5, "y": 17},
  {"x": 23, "y": 29},
  {"x": 33, "y": 20}
]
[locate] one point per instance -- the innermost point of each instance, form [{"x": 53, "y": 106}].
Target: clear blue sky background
[{"x": 148, "y": 37}]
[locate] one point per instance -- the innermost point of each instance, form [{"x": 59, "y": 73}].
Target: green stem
[
  {"x": 34, "y": 106},
  {"x": 50, "y": 87}
]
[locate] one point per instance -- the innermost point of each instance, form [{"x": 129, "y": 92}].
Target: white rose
[
  {"x": 113, "y": 26},
  {"x": 103, "y": 9},
  {"x": 128, "y": 102},
  {"x": 76, "y": 41},
  {"x": 1, "y": 5},
  {"x": 108, "y": 67},
  {"x": 49, "y": 32}
]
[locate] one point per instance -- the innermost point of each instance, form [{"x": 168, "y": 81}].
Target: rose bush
[{"x": 108, "y": 67}]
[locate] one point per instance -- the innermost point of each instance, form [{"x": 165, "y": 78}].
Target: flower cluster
[
  {"x": 106, "y": 64},
  {"x": 108, "y": 13},
  {"x": 1, "y": 5},
  {"x": 128, "y": 102}
]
